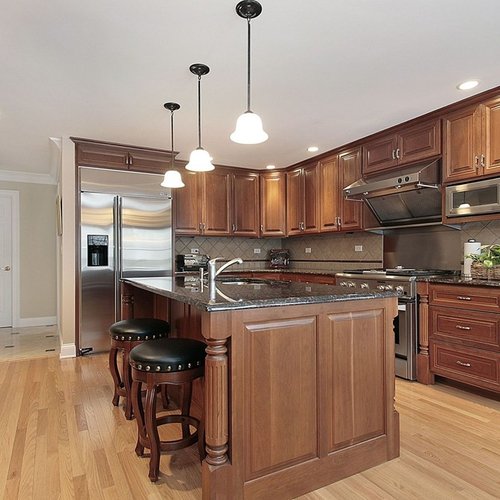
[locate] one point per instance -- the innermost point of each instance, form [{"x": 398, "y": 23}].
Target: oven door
[{"x": 405, "y": 333}]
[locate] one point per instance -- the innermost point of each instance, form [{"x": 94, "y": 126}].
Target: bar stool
[
  {"x": 176, "y": 361},
  {"x": 125, "y": 335}
]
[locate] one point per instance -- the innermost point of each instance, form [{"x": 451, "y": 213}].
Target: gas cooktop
[{"x": 403, "y": 271}]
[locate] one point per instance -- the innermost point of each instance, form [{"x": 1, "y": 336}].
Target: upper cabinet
[
  {"x": 273, "y": 204},
  {"x": 203, "y": 206},
  {"x": 336, "y": 172},
  {"x": 302, "y": 194},
  {"x": 472, "y": 142},
  {"x": 408, "y": 145},
  {"x": 246, "y": 218},
  {"x": 105, "y": 155}
]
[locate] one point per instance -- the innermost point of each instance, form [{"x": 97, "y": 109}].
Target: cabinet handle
[
  {"x": 397, "y": 154},
  {"x": 476, "y": 161},
  {"x": 461, "y": 363},
  {"x": 200, "y": 225},
  {"x": 339, "y": 221},
  {"x": 130, "y": 160},
  {"x": 234, "y": 228},
  {"x": 460, "y": 327},
  {"x": 262, "y": 227},
  {"x": 483, "y": 161},
  {"x": 393, "y": 154},
  {"x": 462, "y": 297}
]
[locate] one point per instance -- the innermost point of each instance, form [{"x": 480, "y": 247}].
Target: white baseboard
[
  {"x": 43, "y": 321},
  {"x": 68, "y": 351}
]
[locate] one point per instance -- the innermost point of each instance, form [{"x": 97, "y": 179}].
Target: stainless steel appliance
[
  {"x": 473, "y": 198},
  {"x": 412, "y": 197},
  {"x": 121, "y": 236},
  {"x": 191, "y": 262},
  {"x": 403, "y": 282}
]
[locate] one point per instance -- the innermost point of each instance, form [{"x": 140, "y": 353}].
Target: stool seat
[
  {"x": 168, "y": 355},
  {"x": 125, "y": 335},
  {"x": 139, "y": 329}
]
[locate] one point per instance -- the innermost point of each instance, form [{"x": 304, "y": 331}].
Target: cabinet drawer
[
  {"x": 466, "y": 297},
  {"x": 472, "y": 327},
  {"x": 472, "y": 366}
]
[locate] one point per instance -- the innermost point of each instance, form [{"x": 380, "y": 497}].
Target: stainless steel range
[{"x": 402, "y": 281}]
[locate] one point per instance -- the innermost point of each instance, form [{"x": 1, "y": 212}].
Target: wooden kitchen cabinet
[
  {"x": 464, "y": 334},
  {"x": 302, "y": 195},
  {"x": 203, "y": 206},
  {"x": 407, "y": 145},
  {"x": 472, "y": 142},
  {"x": 98, "y": 154},
  {"x": 273, "y": 204},
  {"x": 246, "y": 210},
  {"x": 335, "y": 173}
]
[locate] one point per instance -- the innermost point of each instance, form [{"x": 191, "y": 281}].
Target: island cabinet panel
[
  {"x": 281, "y": 425},
  {"x": 355, "y": 346}
]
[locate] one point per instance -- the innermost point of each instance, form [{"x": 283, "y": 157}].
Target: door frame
[{"x": 15, "y": 247}]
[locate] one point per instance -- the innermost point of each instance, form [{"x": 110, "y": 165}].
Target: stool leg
[
  {"x": 127, "y": 382},
  {"x": 152, "y": 433},
  {"x": 164, "y": 396},
  {"x": 113, "y": 368},
  {"x": 136, "y": 397},
  {"x": 187, "y": 389}
]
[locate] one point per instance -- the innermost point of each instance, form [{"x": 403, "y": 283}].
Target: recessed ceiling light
[
  {"x": 312, "y": 149},
  {"x": 469, "y": 84},
  {"x": 271, "y": 167}
]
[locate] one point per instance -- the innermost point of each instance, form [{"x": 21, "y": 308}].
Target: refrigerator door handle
[{"x": 117, "y": 250}]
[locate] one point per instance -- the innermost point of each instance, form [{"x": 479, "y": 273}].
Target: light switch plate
[
  {"x": 195, "y": 250},
  {"x": 256, "y": 250},
  {"x": 308, "y": 250},
  {"x": 358, "y": 248}
]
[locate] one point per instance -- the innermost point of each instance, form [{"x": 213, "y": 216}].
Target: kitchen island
[{"x": 299, "y": 380}]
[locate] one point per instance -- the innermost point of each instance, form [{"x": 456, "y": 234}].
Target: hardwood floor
[
  {"x": 62, "y": 438},
  {"x": 28, "y": 343}
]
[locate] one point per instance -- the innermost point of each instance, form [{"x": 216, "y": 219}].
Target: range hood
[{"x": 410, "y": 198}]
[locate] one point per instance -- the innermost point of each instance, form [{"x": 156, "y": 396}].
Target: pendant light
[
  {"x": 199, "y": 160},
  {"x": 249, "y": 125},
  {"x": 172, "y": 177}
]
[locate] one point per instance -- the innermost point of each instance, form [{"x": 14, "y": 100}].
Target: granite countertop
[
  {"x": 233, "y": 294},
  {"x": 460, "y": 280}
]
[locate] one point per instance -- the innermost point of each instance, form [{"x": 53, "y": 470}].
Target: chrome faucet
[{"x": 213, "y": 272}]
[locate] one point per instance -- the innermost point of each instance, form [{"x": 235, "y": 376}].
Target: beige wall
[{"x": 37, "y": 235}]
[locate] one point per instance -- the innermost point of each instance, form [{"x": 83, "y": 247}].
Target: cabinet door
[
  {"x": 311, "y": 199},
  {"x": 187, "y": 203},
  {"x": 380, "y": 154},
  {"x": 491, "y": 137},
  {"x": 90, "y": 154},
  {"x": 273, "y": 204},
  {"x": 419, "y": 142},
  {"x": 462, "y": 142},
  {"x": 294, "y": 201},
  {"x": 216, "y": 203},
  {"x": 246, "y": 204},
  {"x": 351, "y": 211},
  {"x": 329, "y": 194},
  {"x": 144, "y": 160}
]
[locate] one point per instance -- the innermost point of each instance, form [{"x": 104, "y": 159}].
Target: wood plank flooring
[{"x": 62, "y": 438}]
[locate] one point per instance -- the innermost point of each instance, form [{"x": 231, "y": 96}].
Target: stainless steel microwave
[{"x": 473, "y": 198}]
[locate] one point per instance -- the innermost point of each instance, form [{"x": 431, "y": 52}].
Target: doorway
[{"x": 9, "y": 257}]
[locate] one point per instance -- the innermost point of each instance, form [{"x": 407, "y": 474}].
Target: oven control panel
[{"x": 402, "y": 288}]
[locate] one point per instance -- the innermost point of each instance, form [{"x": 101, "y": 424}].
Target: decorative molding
[
  {"x": 27, "y": 177},
  {"x": 42, "y": 321},
  {"x": 67, "y": 351}
]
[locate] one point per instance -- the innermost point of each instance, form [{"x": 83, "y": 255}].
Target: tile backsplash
[{"x": 335, "y": 252}]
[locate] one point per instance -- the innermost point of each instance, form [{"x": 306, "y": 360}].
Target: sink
[{"x": 234, "y": 280}]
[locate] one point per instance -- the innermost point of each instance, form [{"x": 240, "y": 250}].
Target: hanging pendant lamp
[
  {"x": 199, "y": 159},
  {"x": 249, "y": 125},
  {"x": 173, "y": 178}
]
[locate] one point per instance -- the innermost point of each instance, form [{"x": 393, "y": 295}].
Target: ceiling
[{"x": 320, "y": 76}]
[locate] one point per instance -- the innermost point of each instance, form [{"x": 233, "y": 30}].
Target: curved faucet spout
[
  {"x": 227, "y": 264},
  {"x": 213, "y": 272}
]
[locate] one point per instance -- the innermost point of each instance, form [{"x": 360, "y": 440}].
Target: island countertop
[{"x": 241, "y": 293}]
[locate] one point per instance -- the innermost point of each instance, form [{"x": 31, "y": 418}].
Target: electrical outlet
[
  {"x": 256, "y": 250},
  {"x": 308, "y": 250},
  {"x": 358, "y": 248},
  {"x": 195, "y": 250}
]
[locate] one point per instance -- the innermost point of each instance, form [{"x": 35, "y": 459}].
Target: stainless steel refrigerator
[{"x": 126, "y": 231}]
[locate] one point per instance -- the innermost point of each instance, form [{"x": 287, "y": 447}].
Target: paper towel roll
[{"x": 471, "y": 247}]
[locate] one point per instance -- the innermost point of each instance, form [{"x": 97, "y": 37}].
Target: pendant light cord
[
  {"x": 248, "y": 66},
  {"x": 172, "y": 139},
  {"x": 199, "y": 111}
]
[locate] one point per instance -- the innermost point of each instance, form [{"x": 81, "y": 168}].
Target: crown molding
[{"x": 27, "y": 177}]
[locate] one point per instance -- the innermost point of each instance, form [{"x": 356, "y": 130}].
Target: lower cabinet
[{"x": 464, "y": 334}]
